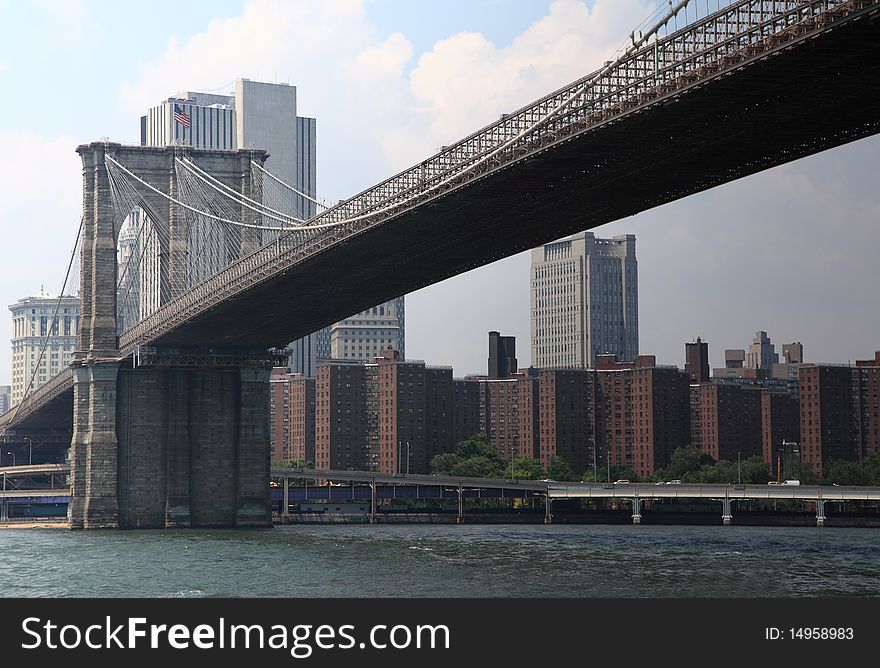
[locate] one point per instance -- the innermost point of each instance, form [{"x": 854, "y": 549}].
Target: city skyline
[{"x": 788, "y": 251}]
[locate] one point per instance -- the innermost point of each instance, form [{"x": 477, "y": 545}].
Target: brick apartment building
[
  {"x": 642, "y": 412},
  {"x": 839, "y": 412},
  {"x": 291, "y": 416},
  {"x": 388, "y": 416}
]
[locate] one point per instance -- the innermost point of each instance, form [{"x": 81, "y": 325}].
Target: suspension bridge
[{"x": 197, "y": 265}]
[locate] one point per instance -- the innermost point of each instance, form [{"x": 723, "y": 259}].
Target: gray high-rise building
[
  {"x": 762, "y": 353},
  {"x": 584, "y": 301},
  {"x": 364, "y": 335},
  {"x": 5, "y": 398},
  {"x": 263, "y": 116}
]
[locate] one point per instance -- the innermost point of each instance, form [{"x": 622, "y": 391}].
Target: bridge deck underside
[
  {"x": 802, "y": 100},
  {"x": 817, "y": 96}
]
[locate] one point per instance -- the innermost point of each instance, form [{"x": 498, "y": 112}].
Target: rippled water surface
[{"x": 444, "y": 561}]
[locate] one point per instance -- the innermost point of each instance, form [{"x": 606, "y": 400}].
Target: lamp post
[
  {"x": 407, "y": 457},
  {"x": 30, "y": 452},
  {"x": 13, "y": 457},
  {"x": 739, "y": 471}
]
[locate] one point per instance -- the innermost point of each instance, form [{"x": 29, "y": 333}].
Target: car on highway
[
  {"x": 621, "y": 482},
  {"x": 674, "y": 482}
]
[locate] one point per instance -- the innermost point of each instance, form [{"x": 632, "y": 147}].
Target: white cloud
[
  {"x": 466, "y": 81},
  {"x": 4, "y": 65}
]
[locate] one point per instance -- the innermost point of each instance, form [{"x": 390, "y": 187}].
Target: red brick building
[
  {"x": 465, "y": 409},
  {"x": 291, "y": 416},
  {"x": 389, "y": 416},
  {"x": 566, "y": 417},
  {"x": 341, "y": 439},
  {"x": 642, "y": 412},
  {"x": 840, "y": 412},
  {"x": 729, "y": 423},
  {"x": 509, "y": 414}
]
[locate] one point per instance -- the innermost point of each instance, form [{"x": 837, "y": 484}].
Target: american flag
[{"x": 181, "y": 116}]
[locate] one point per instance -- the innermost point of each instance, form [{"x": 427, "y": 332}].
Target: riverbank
[{"x": 35, "y": 524}]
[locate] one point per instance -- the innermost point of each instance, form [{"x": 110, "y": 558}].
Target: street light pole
[
  {"x": 739, "y": 472},
  {"x": 13, "y": 457},
  {"x": 407, "y": 457},
  {"x": 30, "y": 452}
]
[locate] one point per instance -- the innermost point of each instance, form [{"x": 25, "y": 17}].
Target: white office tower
[
  {"x": 41, "y": 324},
  {"x": 584, "y": 301}
]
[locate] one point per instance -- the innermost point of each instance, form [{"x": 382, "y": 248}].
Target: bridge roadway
[
  {"x": 636, "y": 493},
  {"x": 752, "y": 86}
]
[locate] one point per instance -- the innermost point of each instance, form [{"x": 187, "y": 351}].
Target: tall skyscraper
[
  {"x": 263, "y": 116},
  {"x": 502, "y": 355},
  {"x": 31, "y": 323},
  {"x": 584, "y": 301}
]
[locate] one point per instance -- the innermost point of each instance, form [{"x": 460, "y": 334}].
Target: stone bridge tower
[{"x": 162, "y": 437}]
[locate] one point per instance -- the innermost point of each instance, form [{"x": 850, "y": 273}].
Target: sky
[{"x": 792, "y": 250}]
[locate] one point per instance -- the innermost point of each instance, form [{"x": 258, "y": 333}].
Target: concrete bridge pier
[
  {"x": 548, "y": 514},
  {"x": 285, "y": 502},
  {"x": 726, "y": 511},
  {"x": 637, "y": 510},
  {"x": 820, "y": 512}
]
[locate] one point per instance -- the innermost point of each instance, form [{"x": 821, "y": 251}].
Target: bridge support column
[
  {"x": 372, "y": 502},
  {"x": 460, "y": 518},
  {"x": 548, "y": 515},
  {"x": 285, "y": 502},
  {"x": 726, "y": 511},
  {"x": 94, "y": 449},
  {"x": 820, "y": 512},
  {"x": 637, "y": 510},
  {"x": 252, "y": 461},
  {"x": 79, "y": 444},
  {"x": 177, "y": 453}
]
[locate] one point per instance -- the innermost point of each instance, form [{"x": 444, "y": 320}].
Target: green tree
[
  {"x": 872, "y": 468},
  {"x": 526, "y": 468},
  {"x": 846, "y": 473},
  {"x": 559, "y": 469},
  {"x": 476, "y": 445},
  {"x": 445, "y": 464},
  {"x": 478, "y": 467},
  {"x": 615, "y": 472},
  {"x": 293, "y": 464}
]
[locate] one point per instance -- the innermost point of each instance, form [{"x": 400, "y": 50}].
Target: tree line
[{"x": 475, "y": 457}]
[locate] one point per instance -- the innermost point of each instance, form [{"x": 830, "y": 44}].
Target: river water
[{"x": 444, "y": 561}]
